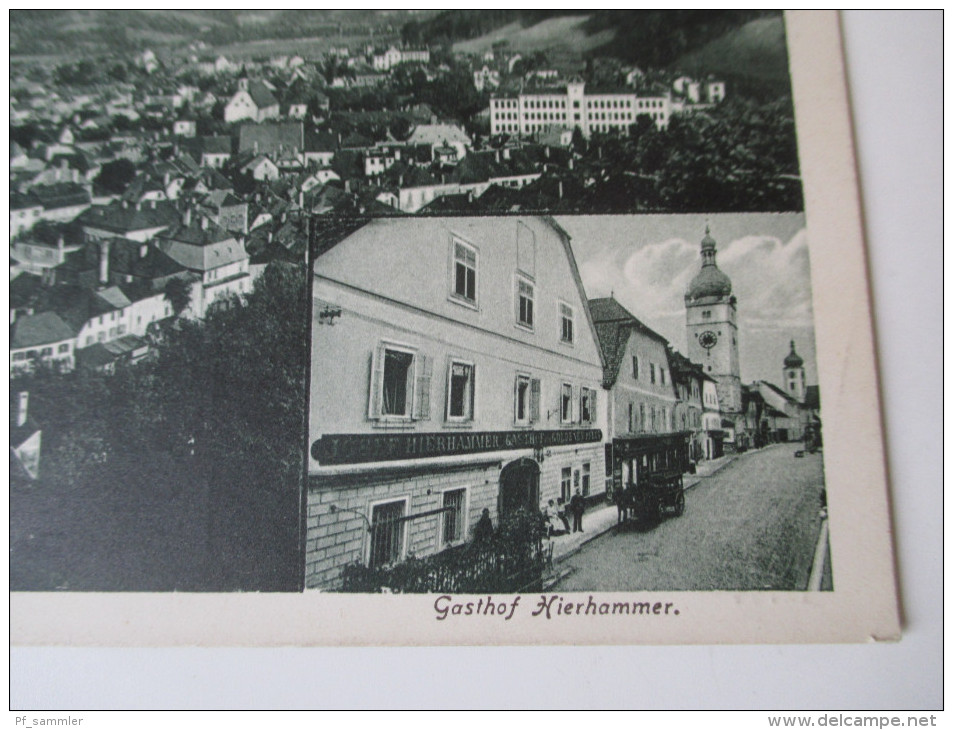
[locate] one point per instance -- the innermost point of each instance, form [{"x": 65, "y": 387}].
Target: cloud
[{"x": 770, "y": 277}]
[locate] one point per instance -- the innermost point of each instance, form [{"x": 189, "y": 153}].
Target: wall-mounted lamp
[{"x": 327, "y": 315}]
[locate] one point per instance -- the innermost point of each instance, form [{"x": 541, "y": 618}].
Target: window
[
  {"x": 635, "y": 367},
  {"x": 631, "y": 417},
  {"x": 526, "y": 400},
  {"x": 387, "y": 533},
  {"x": 464, "y": 272},
  {"x": 565, "y": 484},
  {"x": 400, "y": 383},
  {"x": 453, "y": 516},
  {"x": 460, "y": 392},
  {"x": 565, "y": 400},
  {"x": 642, "y": 425},
  {"x": 706, "y": 314},
  {"x": 586, "y": 477},
  {"x": 652, "y": 373},
  {"x": 524, "y": 302},
  {"x": 19, "y": 356},
  {"x": 587, "y": 405},
  {"x": 661, "y": 371},
  {"x": 63, "y": 348},
  {"x": 566, "y": 323}
]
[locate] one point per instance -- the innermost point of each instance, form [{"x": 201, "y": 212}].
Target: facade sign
[{"x": 334, "y": 449}]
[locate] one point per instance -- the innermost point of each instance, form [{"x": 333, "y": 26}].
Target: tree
[
  {"x": 178, "y": 293},
  {"x": 115, "y": 176}
]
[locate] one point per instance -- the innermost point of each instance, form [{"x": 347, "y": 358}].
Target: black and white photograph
[
  {"x": 429, "y": 312},
  {"x": 479, "y": 383}
]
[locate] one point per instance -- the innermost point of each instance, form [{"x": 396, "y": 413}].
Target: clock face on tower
[{"x": 708, "y": 339}]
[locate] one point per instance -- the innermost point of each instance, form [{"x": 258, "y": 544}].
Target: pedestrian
[
  {"x": 561, "y": 513},
  {"x": 484, "y": 527},
  {"x": 577, "y": 505}
]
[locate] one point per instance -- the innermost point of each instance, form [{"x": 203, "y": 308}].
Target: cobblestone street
[{"x": 751, "y": 526}]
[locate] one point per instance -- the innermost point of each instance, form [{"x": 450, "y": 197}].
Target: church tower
[
  {"x": 794, "y": 375},
  {"x": 711, "y": 321}
]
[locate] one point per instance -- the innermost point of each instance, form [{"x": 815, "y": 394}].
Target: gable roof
[
  {"x": 812, "y": 397},
  {"x": 120, "y": 218},
  {"x": 34, "y": 330},
  {"x": 261, "y": 94},
  {"x": 61, "y": 195},
  {"x": 431, "y": 134},
  {"x": 614, "y": 324},
  {"x": 271, "y": 137}
]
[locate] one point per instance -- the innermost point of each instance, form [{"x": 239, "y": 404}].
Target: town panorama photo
[{"x": 393, "y": 301}]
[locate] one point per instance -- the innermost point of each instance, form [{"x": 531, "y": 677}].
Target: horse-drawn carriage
[{"x": 658, "y": 495}]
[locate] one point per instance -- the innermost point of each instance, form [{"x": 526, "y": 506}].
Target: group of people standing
[{"x": 554, "y": 513}]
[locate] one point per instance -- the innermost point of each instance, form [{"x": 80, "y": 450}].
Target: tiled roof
[
  {"x": 261, "y": 94},
  {"x": 614, "y": 323},
  {"x": 271, "y": 137},
  {"x": 194, "y": 234},
  {"x": 22, "y": 201},
  {"x": 432, "y": 134},
  {"x": 125, "y": 219},
  {"x": 812, "y": 397},
  {"x": 61, "y": 195},
  {"x": 34, "y": 330},
  {"x": 329, "y": 230}
]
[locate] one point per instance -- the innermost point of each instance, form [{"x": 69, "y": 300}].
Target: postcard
[{"x": 555, "y": 331}]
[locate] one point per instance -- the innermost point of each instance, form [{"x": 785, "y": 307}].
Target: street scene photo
[{"x": 501, "y": 404}]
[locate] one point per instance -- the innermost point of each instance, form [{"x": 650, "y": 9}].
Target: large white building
[
  {"x": 571, "y": 107},
  {"x": 455, "y": 368}
]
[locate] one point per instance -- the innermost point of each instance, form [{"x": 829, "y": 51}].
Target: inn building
[{"x": 455, "y": 368}]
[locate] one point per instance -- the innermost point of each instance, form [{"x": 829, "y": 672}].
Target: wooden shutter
[
  {"x": 472, "y": 393},
  {"x": 592, "y": 406},
  {"x": 376, "y": 383},
  {"x": 534, "y": 394},
  {"x": 422, "y": 395}
]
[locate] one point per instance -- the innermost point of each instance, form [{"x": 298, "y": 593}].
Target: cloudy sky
[{"x": 647, "y": 261}]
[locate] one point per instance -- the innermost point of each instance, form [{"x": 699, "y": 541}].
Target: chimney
[
  {"x": 400, "y": 180},
  {"x": 497, "y": 157},
  {"x": 143, "y": 250},
  {"x": 547, "y": 152},
  {"x": 166, "y": 177},
  {"x": 506, "y": 153},
  {"x": 570, "y": 163},
  {"x": 203, "y": 221},
  {"x": 347, "y": 186},
  {"x": 560, "y": 189},
  {"x": 59, "y": 247},
  {"x": 187, "y": 216},
  {"x": 23, "y": 403},
  {"x": 270, "y": 236},
  {"x": 104, "y": 262},
  {"x": 301, "y": 199}
]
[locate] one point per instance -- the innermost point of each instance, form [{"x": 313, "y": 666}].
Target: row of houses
[
  {"x": 458, "y": 366},
  {"x": 101, "y": 296}
]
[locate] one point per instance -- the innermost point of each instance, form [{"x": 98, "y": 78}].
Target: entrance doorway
[{"x": 519, "y": 487}]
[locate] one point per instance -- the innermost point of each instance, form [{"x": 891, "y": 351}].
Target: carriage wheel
[
  {"x": 680, "y": 503},
  {"x": 660, "y": 509}
]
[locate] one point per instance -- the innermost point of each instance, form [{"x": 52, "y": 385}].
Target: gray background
[{"x": 895, "y": 72}]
